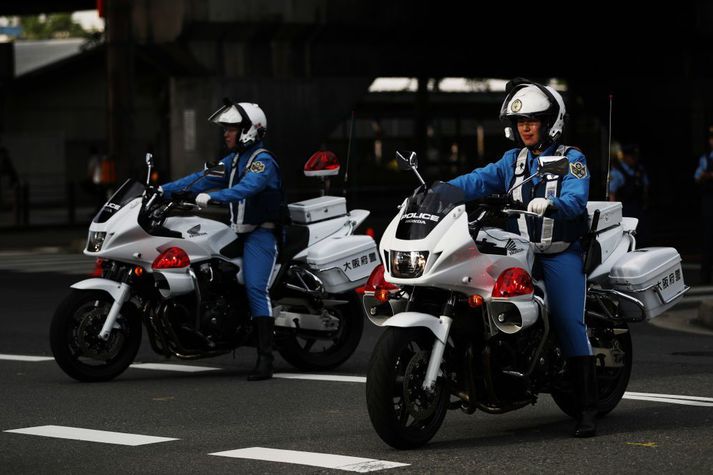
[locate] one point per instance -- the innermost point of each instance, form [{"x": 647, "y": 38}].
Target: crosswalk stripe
[
  {"x": 91, "y": 435},
  {"x": 314, "y": 459}
]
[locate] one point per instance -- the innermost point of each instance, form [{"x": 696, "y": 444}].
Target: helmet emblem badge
[{"x": 516, "y": 105}]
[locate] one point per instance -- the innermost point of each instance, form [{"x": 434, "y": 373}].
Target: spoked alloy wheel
[
  {"x": 403, "y": 413},
  {"x": 75, "y": 342},
  {"x": 611, "y": 381},
  {"x": 316, "y": 350}
]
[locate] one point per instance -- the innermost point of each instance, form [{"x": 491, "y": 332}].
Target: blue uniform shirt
[
  {"x": 239, "y": 184},
  {"x": 617, "y": 179},
  {"x": 498, "y": 177}
]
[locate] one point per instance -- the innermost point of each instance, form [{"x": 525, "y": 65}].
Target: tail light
[
  {"x": 376, "y": 282},
  {"x": 171, "y": 258},
  {"x": 512, "y": 282}
]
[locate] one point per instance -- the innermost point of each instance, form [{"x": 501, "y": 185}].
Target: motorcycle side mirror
[
  {"x": 547, "y": 165},
  {"x": 406, "y": 160},
  {"x": 553, "y": 165},
  {"x": 217, "y": 171},
  {"x": 149, "y": 165}
]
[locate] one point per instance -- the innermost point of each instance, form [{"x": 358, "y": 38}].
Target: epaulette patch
[
  {"x": 578, "y": 169},
  {"x": 257, "y": 167}
]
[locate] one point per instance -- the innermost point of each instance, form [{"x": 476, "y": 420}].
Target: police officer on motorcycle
[
  {"x": 534, "y": 116},
  {"x": 252, "y": 186}
]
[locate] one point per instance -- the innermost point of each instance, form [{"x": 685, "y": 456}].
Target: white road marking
[
  {"x": 172, "y": 367},
  {"x": 314, "y": 459},
  {"x": 25, "y": 358},
  {"x": 671, "y": 396},
  {"x": 683, "y": 400},
  {"x": 322, "y": 377},
  {"x": 90, "y": 435}
]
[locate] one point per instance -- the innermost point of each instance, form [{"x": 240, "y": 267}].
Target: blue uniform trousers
[
  {"x": 566, "y": 286},
  {"x": 259, "y": 254}
]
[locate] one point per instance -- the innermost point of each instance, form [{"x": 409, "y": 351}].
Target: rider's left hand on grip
[{"x": 538, "y": 206}]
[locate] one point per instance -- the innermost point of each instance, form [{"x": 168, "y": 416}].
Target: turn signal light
[
  {"x": 171, "y": 258},
  {"x": 475, "y": 301},
  {"x": 512, "y": 282},
  {"x": 376, "y": 280},
  {"x": 138, "y": 271},
  {"x": 382, "y": 295}
]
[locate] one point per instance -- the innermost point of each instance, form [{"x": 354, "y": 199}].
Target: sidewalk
[{"x": 57, "y": 238}]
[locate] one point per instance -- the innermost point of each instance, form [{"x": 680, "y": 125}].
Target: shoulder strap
[{"x": 520, "y": 172}]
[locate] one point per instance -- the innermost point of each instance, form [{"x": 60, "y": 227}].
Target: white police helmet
[
  {"x": 248, "y": 117},
  {"x": 527, "y": 99}
]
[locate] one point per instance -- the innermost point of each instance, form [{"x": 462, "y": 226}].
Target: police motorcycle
[
  {"x": 178, "y": 269},
  {"x": 466, "y": 324}
]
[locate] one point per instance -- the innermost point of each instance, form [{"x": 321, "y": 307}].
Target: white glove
[
  {"x": 202, "y": 200},
  {"x": 538, "y": 206}
]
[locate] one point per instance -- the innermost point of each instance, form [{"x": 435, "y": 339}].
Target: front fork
[
  {"x": 120, "y": 297},
  {"x": 434, "y": 362}
]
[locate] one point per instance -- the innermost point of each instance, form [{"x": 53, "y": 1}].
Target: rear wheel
[
  {"x": 611, "y": 380},
  {"x": 403, "y": 413},
  {"x": 75, "y": 342},
  {"x": 318, "y": 350}
]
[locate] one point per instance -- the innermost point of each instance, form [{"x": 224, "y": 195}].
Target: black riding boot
[
  {"x": 264, "y": 327},
  {"x": 584, "y": 377}
]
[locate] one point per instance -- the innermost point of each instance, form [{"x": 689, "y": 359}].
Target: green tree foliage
[{"x": 50, "y": 27}]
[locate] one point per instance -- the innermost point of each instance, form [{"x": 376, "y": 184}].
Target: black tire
[
  {"x": 312, "y": 351},
  {"x": 394, "y": 396},
  {"x": 76, "y": 345},
  {"x": 611, "y": 382}
]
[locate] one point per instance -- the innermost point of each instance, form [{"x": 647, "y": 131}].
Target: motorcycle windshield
[
  {"x": 425, "y": 209},
  {"x": 130, "y": 190}
]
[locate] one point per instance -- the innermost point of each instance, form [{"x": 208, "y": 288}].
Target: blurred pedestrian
[
  {"x": 94, "y": 177},
  {"x": 704, "y": 179},
  {"x": 629, "y": 184},
  {"x": 8, "y": 178}
]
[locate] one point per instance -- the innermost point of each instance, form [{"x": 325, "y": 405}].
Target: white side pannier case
[
  {"x": 343, "y": 262},
  {"x": 652, "y": 275},
  {"x": 317, "y": 209}
]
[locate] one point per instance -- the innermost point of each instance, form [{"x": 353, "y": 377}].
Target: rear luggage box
[
  {"x": 651, "y": 275},
  {"x": 317, "y": 209},
  {"x": 610, "y": 214}
]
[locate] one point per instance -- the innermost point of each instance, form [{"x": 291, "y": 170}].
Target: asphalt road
[{"x": 218, "y": 411}]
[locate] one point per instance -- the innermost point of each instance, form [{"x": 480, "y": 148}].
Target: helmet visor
[{"x": 227, "y": 115}]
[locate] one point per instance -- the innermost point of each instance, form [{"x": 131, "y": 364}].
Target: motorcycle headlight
[
  {"x": 95, "y": 241},
  {"x": 408, "y": 264}
]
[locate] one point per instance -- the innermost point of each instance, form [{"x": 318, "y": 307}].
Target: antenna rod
[
  {"x": 349, "y": 150},
  {"x": 606, "y": 185}
]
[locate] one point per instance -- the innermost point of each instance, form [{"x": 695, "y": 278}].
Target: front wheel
[
  {"x": 75, "y": 342},
  {"x": 319, "y": 351},
  {"x": 611, "y": 380},
  {"x": 404, "y": 414}
]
